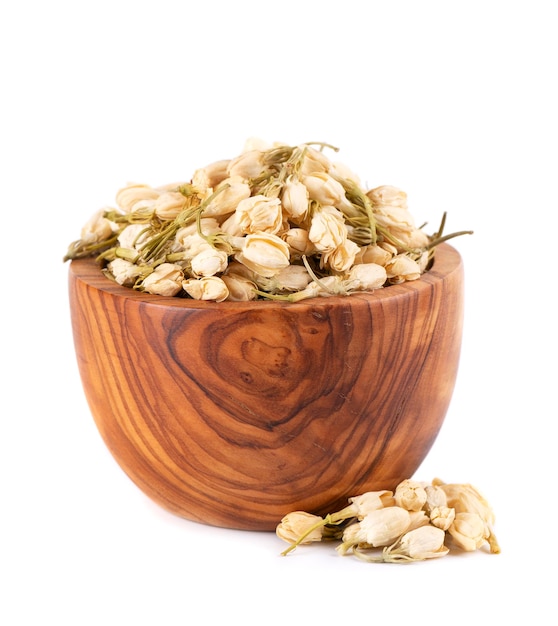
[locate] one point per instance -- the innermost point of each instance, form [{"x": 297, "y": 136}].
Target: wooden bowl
[{"x": 234, "y": 414}]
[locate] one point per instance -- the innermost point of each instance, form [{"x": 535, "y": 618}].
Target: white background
[{"x": 455, "y": 103}]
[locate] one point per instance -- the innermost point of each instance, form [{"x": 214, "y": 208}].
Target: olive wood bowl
[{"x": 236, "y": 413}]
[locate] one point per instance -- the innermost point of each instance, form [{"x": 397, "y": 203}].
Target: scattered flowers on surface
[
  {"x": 275, "y": 222},
  {"x": 413, "y": 523}
]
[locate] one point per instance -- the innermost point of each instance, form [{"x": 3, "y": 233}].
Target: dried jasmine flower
[
  {"x": 413, "y": 523},
  {"x": 301, "y": 527},
  {"x": 269, "y": 208},
  {"x": 206, "y": 288},
  {"x": 465, "y": 498},
  {"x": 378, "y": 528},
  {"x": 165, "y": 280},
  {"x": 425, "y": 542},
  {"x": 442, "y": 517},
  {"x": 410, "y": 495},
  {"x": 469, "y": 531}
]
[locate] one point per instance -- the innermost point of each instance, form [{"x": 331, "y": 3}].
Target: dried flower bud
[
  {"x": 406, "y": 237},
  {"x": 264, "y": 253},
  {"x": 169, "y": 204},
  {"x": 124, "y": 272},
  {"x": 340, "y": 170},
  {"x": 388, "y": 247},
  {"x": 435, "y": 497},
  {"x": 206, "y": 288},
  {"x": 314, "y": 161},
  {"x": 97, "y": 229},
  {"x": 239, "y": 269},
  {"x": 465, "y": 498},
  {"x": 387, "y": 195},
  {"x": 365, "y": 277},
  {"x": 298, "y": 524},
  {"x": 418, "y": 519},
  {"x": 294, "y": 199},
  {"x": 383, "y": 526},
  {"x": 211, "y": 175},
  {"x": 165, "y": 280},
  {"x": 133, "y": 193},
  {"x": 390, "y": 210},
  {"x": 228, "y": 194},
  {"x": 373, "y": 254},
  {"x": 410, "y": 495},
  {"x": 402, "y": 268},
  {"x": 416, "y": 239},
  {"x": 397, "y": 219},
  {"x": 133, "y": 237},
  {"x": 208, "y": 261},
  {"x": 341, "y": 258},
  {"x": 241, "y": 289},
  {"x": 259, "y": 214},
  {"x": 442, "y": 517},
  {"x": 351, "y": 539},
  {"x": 247, "y": 165},
  {"x": 299, "y": 242},
  {"x": 469, "y": 531},
  {"x": 188, "y": 239},
  {"x": 292, "y": 278},
  {"x": 327, "y": 229},
  {"x": 370, "y": 501},
  {"x": 425, "y": 542},
  {"x": 325, "y": 190},
  {"x": 232, "y": 226}
]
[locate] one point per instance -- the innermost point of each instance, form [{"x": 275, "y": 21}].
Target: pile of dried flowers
[
  {"x": 276, "y": 222},
  {"x": 413, "y": 523}
]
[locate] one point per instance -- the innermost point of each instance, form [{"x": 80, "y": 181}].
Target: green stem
[
  {"x": 322, "y": 145},
  {"x": 438, "y": 240},
  {"x": 314, "y": 277},
  {"x": 274, "y": 296}
]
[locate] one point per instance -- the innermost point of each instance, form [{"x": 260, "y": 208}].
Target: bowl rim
[{"x": 447, "y": 260}]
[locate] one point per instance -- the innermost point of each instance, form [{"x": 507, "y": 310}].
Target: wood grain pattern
[{"x": 234, "y": 414}]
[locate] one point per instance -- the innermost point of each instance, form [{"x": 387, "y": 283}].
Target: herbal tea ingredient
[
  {"x": 276, "y": 222},
  {"x": 414, "y": 523}
]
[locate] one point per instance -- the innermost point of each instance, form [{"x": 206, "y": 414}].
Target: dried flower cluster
[
  {"x": 413, "y": 523},
  {"x": 277, "y": 222}
]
